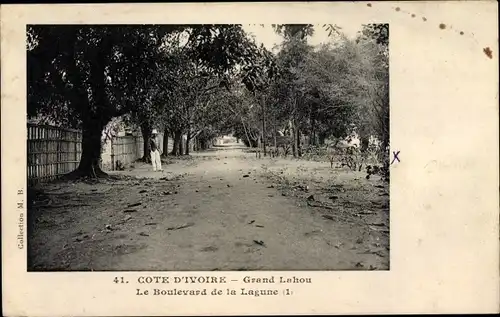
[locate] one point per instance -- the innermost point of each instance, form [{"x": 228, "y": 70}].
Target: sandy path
[{"x": 213, "y": 218}]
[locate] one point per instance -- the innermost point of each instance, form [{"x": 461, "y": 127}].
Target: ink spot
[
  {"x": 413, "y": 15},
  {"x": 488, "y": 52},
  {"x": 442, "y": 26},
  {"x": 398, "y": 9},
  {"x": 461, "y": 33},
  {"x": 369, "y": 5},
  {"x": 424, "y": 18}
]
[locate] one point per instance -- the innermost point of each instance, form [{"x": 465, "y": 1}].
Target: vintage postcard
[{"x": 250, "y": 158}]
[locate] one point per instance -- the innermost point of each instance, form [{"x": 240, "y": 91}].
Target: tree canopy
[
  {"x": 84, "y": 75},
  {"x": 207, "y": 80}
]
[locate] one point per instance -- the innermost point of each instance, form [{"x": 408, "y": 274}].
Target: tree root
[{"x": 79, "y": 174}]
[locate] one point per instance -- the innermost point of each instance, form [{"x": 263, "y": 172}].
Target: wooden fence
[
  {"x": 52, "y": 152},
  {"x": 125, "y": 150}
]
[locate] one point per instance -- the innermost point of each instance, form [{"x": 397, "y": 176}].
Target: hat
[{"x": 154, "y": 131}]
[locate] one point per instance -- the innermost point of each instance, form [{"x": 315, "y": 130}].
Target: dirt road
[{"x": 218, "y": 210}]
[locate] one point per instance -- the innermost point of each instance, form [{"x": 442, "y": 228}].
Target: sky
[{"x": 266, "y": 35}]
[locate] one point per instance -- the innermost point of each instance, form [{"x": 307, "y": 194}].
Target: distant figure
[{"x": 155, "y": 153}]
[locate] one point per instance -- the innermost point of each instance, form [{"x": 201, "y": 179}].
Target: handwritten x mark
[{"x": 395, "y": 156}]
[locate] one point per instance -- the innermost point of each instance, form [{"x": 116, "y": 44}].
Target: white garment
[{"x": 155, "y": 160}]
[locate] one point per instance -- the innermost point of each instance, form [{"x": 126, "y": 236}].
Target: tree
[
  {"x": 204, "y": 63},
  {"x": 374, "y": 43},
  {"x": 147, "y": 112},
  {"x": 88, "y": 74},
  {"x": 330, "y": 76},
  {"x": 319, "y": 91},
  {"x": 289, "y": 94},
  {"x": 258, "y": 80},
  {"x": 85, "y": 75},
  {"x": 294, "y": 31}
]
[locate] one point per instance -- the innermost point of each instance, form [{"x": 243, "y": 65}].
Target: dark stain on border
[{"x": 488, "y": 52}]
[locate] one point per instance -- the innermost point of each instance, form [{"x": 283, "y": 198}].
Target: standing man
[{"x": 155, "y": 153}]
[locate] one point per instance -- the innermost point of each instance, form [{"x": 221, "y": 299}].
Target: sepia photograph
[
  {"x": 208, "y": 147},
  {"x": 249, "y": 158}
]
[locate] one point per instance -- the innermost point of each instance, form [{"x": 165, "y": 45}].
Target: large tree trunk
[
  {"x": 146, "y": 136},
  {"x": 93, "y": 123},
  {"x": 91, "y": 150}
]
